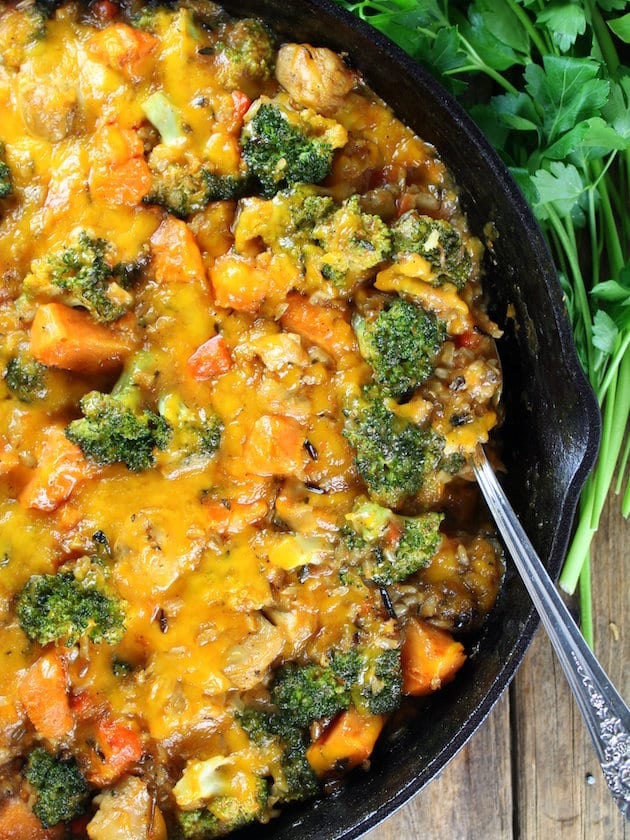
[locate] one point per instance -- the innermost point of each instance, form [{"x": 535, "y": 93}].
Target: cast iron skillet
[{"x": 551, "y": 432}]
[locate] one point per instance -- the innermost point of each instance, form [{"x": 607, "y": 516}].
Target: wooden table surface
[{"x": 530, "y": 772}]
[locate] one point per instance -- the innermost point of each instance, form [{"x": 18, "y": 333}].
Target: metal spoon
[{"x": 606, "y": 715}]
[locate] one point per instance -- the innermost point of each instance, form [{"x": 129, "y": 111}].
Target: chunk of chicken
[
  {"x": 127, "y": 812},
  {"x": 249, "y": 660},
  {"x": 48, "y": 109},
  {"x": 314, "y": 77}
]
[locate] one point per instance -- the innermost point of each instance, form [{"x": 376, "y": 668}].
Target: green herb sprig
[{"x": 557, "y": 109}]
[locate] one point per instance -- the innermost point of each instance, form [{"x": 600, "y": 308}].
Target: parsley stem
[
  {"x": 570, "y": 250},
  {"x": 623, "y": 466},
  {"x": 616, "y": 411},
  {"x": 580, "y": 544},
  {"x": 478, "y": 65},
  {"x": 483, "y": 68},
  {"x": 609, "y": 224},
  {"x": 528, "y": 26},
  {"x": 586, "y": 604},
  {"x": 613, "y": 367},
  {"x": 603, "y": 38},
  {"x": 594, "y": 237}
]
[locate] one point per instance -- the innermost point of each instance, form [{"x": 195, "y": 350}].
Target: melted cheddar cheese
[{"x": 234, "y": 328}]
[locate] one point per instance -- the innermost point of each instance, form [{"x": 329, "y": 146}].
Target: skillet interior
[{"x": 551, "y": 432}]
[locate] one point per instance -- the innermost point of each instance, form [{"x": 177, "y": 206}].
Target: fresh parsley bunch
[{"x": 557, "y": 109}]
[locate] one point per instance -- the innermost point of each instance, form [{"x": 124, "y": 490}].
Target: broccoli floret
[
  {"x": 437, "y": 241},
  {"x": 109, "y": 432},
  {"x": 223, "y": 795},
  {"x": 165, "y": 117},
  {"x": 295, "y": 779},
  {"x": 400, "y": 344},
  {"x": 340, "y": 243},
  {"x": 185, "y": 190},
  {"x": 26, "y": 378},
  {"x": 308, "y": 209},
  {"x": 193, "y": 432},
  {"x": 416, "y": 546},
  {"x": 245, "y": 52},
  {"x": 184, "y": 186},
  {"x": 81, "y": 276},
  {"x": 198, "y": 824},
  {"x": 60, "y": 789},
  {"x": 279, "y": 154},
  {"x": 374, "y": 677},
  {"x": 394, "y": 547},
  {"x": 225, "y": 187},
  {"x": 61, "y": 608},
  {"x": 6, "y": 181},
  {"x": 354, "y": 243},
  {"x": 394, "y": 456},
  {"x": 304, "y": 693},
  {"x": 180, "y": 190},
  {"x": 115, "y": 428}
]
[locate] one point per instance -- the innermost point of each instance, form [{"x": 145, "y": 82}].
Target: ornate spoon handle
[{"x": 606, "y": 715}]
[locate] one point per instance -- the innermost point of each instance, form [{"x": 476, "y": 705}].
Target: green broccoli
[
  {"x": 279, "y": 154},
  {"x": 374, "y": 677},
  {"x": 183, "y": 186},
  {"x": 82, "y": 276},
  {"x": 26, "y": 378},
  {"x": 165, "y": 117},
  {"x": 156, "y": 15},
  {"x": 353, "y": 244},
  {"x": 60, "y": 789},
  {"x": 294, "y": 780},
  {"x": 223, "y": 815},
  {"x": 61, "y": 608},
  {"x": 232, "y": 797},
  {"x": 115, "y": 428},
  {"x": 246, "y": 52},
  {"x": 394, "y": 456},
  {"x": 193, "y": 432},
  {"x": 109, "y": 432},
  {"x": 339, "y": 242},
  {"x": 185, "y": 189},
  {"x": 288, "y": 220},
  {"x": 199, "y": 824},
  {"x": 6, "y": 181},
  {"x": 393, "y": 547},
  {"x": 304, "y": 693},
  {"x": 438, "y": 242},
  {"x": 400, "y": 344}
]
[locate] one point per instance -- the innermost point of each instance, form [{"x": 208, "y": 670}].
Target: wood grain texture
[
  {"x": 481, "y": 773},
  {"x": 530, "y": 772}
]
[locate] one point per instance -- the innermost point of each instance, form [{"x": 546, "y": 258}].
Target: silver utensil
[{"x": 606, "y": 715}]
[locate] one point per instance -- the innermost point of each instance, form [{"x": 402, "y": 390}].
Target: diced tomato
[
  {"x": 119, "y": 748},
  {"x": 241, "y": 103},
  {"x": 470, "y": 339},
  {"x": 211, "y": 359}
]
